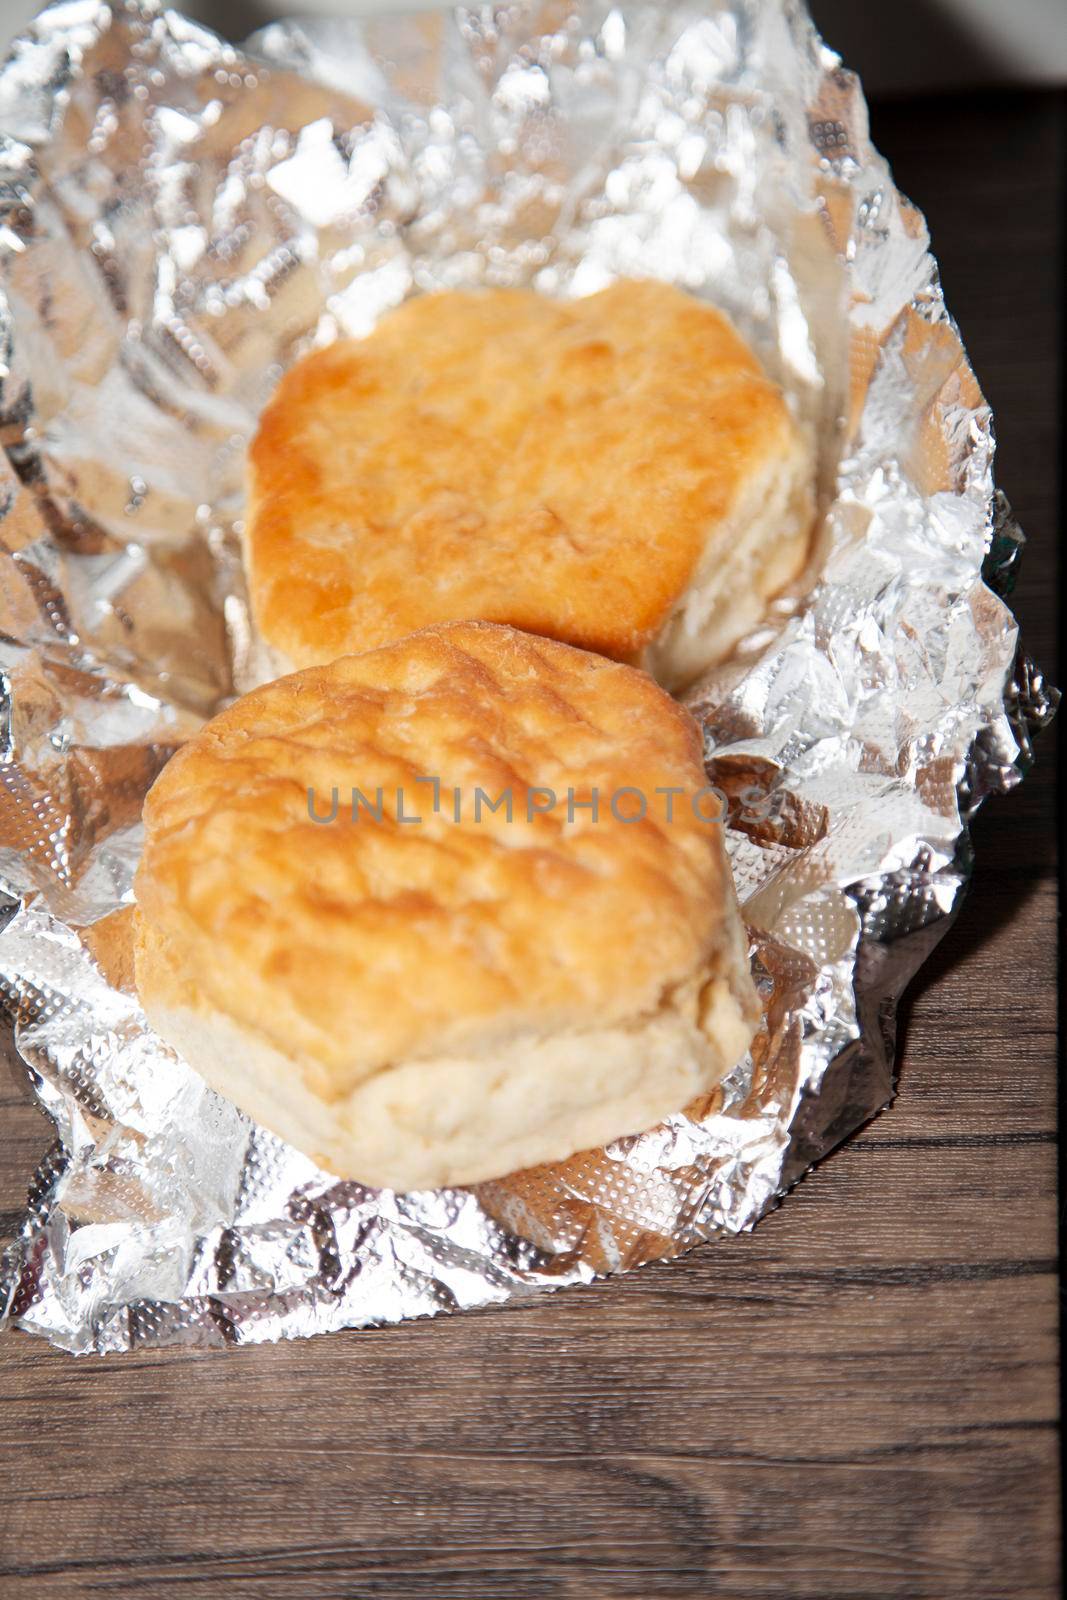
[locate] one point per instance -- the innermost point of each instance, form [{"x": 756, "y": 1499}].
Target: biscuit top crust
[
  {"x": 351, "y": 945},
  {"x": 560, "y": 466}
]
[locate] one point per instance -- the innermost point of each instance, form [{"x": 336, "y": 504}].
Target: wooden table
[{"x": 857, "y": 1400}]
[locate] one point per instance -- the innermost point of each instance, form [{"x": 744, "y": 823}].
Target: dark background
[{"x": 857, "y": 1401}]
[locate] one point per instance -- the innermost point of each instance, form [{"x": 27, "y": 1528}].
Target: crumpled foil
[{"x": 180, "y": 220}]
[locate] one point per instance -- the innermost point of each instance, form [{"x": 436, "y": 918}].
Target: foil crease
[{"x": 181, "y": 219}]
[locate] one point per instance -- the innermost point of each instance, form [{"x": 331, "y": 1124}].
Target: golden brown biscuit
[
  {"x": 616, "y": 472},
  {"x": 441, "y": 1001}
]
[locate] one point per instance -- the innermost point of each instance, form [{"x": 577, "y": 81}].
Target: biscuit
[
  {"x": 615, "y": 472},
  {"x": 418, "y": 1003}
]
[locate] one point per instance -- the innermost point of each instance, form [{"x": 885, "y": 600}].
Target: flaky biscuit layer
[
  {"x": 389, "y": 965},
  {"x": 571, "y": 468}
]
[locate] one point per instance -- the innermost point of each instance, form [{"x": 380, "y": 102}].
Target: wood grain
[{"x": 858, "y": 1400}]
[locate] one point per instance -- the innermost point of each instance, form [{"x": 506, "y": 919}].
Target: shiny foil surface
[{"x": 180, "y": 220}]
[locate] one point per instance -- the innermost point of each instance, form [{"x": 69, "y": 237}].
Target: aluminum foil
[{"x": 179, "y": 221}]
